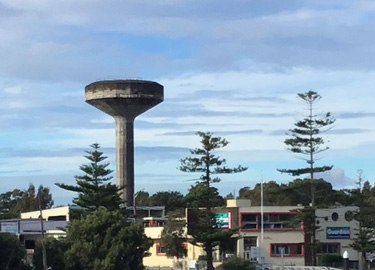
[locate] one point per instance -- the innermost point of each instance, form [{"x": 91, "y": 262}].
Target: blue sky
[{"x": 230, "y": 67}]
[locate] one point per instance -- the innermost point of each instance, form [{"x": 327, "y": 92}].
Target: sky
[{"x": 233, "y": 68}]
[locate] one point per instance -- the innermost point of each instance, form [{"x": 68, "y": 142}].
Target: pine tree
[
  {"x": 173, "y": 236},
  {"x": 93, "y": 189},
  {"x": 305, "y": 140},
  {"x": 205, "y": 231},
  {"x": 363, "y": 240}
]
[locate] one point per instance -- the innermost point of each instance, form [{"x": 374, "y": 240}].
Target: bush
[
  {"x": 332, "y": 260},
  {"x": 237, "y": 263},
  {"x": 55, "y": 249},
  {"x": 12, "y": 253}
]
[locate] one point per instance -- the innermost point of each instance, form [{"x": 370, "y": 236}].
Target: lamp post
[{"x": 345, "y": 256}]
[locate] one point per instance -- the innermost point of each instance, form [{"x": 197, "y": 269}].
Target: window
[
  {"x": 348, "y": 216},
  {"x": 63, "y": 218},
  {"x": 250, "y": 221},
  {"x": 249, "y": 242},
  {"x": 335, "y": 216},
  {"x": 29, "y": 244},
  {"x": 271, "y": 221},
  {"x": 331, "y": 248},
  {"x": 290, "y": 250},
  {"x": 280, "y": 221},
  {"x": 160, "y": 250}
]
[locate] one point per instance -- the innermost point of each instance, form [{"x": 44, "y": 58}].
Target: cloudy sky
[{"x": 230, "y": 67}]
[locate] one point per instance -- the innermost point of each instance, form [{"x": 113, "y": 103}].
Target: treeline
[
  {"x": 13, "y": 203},
  {"x": 296, "y": 192}
]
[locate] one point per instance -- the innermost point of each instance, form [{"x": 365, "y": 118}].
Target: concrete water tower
[{"x": 124, "y": 100}]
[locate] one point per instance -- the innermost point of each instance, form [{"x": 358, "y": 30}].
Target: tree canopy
[
  {"x": 105, "y": 240},
  {"x": 55, "y": 249},
  {"x": 172, "y": 200},
  {"x": 206, "y": 162},
  {"x": 14, "y": 202},
  {"x": 12, "y": 253},
  {"x": 93, "y": 187},
  {"x": 173, "y": 236}
]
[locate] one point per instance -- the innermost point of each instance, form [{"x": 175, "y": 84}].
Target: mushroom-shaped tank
[
  {"x": 127, "y": 98},
  {"x": 124, "y": 100}
]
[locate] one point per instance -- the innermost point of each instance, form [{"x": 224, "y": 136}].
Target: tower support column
[{"x": 125, "y": 157}]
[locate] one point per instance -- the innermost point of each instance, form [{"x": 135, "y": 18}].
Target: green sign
[{"x": 223, "y": 220}]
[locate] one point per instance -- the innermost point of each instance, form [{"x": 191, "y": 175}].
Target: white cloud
[
  {"x": 227, "y": 66},
  {"x": 337, "y": 178}
]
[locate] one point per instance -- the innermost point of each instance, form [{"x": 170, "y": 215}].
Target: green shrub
[
  {"x": 237, "y": 263},
  {"x": 332, "y": 260}
]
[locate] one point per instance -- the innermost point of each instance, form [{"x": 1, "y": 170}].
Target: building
[
  {"x": 275, "y": 240},
  {"x": 30, "y": 230},
  {"x": 336, "y": 230}
]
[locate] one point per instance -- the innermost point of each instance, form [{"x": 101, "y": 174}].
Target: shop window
[
  {"x": 330, "y": 248},
  {"x": 289, "y": 250}
]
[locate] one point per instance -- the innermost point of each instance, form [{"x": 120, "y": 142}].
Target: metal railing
[{"x": 286, "y": 267}]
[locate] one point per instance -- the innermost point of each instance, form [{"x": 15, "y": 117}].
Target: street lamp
[{"x": 345, "y": 256}]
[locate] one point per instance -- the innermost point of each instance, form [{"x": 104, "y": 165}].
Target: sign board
[
  {"x": 9, "y": 227},
  {"x": 254, "y": 253},
  {"x": 223, "y": 220},
  {"x": 338, "y": 232}
]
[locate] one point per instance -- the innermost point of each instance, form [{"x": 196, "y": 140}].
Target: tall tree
[
  {"x": 305, "y": 140},
  {"x": 93, "y": 189},
  {"x": 105, "y": 240},
  {"x": 173, "y": 236},
  {"x": 204, "y": 161},
  {"x": 363, "y": 240}
]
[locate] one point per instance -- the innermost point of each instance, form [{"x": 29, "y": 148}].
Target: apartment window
[
  {"x": 331, "y": 248},
  {"x": 250, "y": 221},
  {"x": 290, "y": 250}
]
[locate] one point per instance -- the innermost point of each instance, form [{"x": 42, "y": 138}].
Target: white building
[{"x": 336, "y": 230}]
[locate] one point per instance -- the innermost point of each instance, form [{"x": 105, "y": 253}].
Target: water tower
[{"x": 124, "y": 100}]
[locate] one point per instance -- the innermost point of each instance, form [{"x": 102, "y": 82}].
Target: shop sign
[
  {"x": 338, "y": 232},
  {"x": 223, "y": 220}
]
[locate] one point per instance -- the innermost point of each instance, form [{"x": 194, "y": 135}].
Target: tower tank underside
[
  {"x": 124, "y": 100},
  {"x": 127, "y": 98}
]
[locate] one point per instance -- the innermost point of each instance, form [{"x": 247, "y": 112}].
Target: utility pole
[{"x": 42, "y": 230}]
